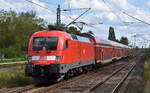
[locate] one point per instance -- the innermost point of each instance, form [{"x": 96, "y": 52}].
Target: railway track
[
  {"x": 18, "y": 89},
  {"x": 82, "y": 83},
  {"x": 127, "y": 69}
]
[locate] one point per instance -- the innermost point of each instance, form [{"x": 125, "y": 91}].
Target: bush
[{"x": 13, "y": 78}]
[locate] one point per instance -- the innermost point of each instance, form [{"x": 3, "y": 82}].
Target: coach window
[{"x": 66, "y": 44}]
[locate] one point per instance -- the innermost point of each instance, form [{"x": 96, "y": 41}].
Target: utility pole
[{"x": 58, "y": 21}]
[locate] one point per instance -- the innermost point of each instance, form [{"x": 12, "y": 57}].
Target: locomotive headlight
[
  {"x": 57, "y": 59},
  {"x": 51, "y": 57}
]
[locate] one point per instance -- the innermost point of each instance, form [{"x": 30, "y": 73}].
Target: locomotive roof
[
  {"x": 62, "y": 34},
  {"x": 109, "y": 42},
  {"x": 48, "y": 33},
  {"x": 100, "y": 41},
  {"x": 116, "y": 44}
]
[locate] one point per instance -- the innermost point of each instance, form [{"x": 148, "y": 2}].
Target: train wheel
[
  {"x": 85, "y": 69},
  {"x": 69, "y": 74},
  {"x": 90, "y": 67},
  {"x": 80, "y": 70}
]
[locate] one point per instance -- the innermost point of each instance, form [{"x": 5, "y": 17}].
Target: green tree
[
  {"x": 124, "y": 40},
  {"x": 15, "y": 31},
  {"x": 111, "y": 34}
]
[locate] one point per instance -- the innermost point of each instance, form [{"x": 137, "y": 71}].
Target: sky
[{"x": 107, "y": 12}]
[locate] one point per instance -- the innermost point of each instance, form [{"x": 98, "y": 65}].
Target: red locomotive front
[{"x": 53, "y": 54}]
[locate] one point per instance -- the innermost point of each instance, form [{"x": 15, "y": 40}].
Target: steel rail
[
  {"x": 122, "y": 80},
  {"x": 105, "y": 79},
  {"x": 22, "y": 89},
  {"x": 55, "y": 86}
]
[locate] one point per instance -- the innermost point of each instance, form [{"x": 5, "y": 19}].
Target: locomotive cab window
[
  {"x": 45, "y": 43},
  {"x": 66, "y": 44}
]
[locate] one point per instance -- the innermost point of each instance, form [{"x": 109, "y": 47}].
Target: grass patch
[
  {"x": 147, "y": 81},
  {"x": 147, "y": 75},
  {"x": 13, "y": 78}
]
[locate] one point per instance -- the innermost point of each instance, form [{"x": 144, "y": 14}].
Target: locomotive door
[
  {"x": 79, "y": 48},
  {"x": 99, "y": 54},
  {"x": 102, "y": 54},
  {"x": 113, "y": 53}
]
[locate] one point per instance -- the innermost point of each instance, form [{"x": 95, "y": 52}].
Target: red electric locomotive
[{"x": 55, "y": 55}]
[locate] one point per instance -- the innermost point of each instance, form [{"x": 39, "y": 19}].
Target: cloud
[
  {"x": 102, "y": 10},
  {"x": 22, "y": 6},
  {"x": 7, "y": 4},
  {"x": 47, "y": 17},
  {"x": 37, "y": 8},
  {"x": 123, "y": 4},
  {"x": 126, "y": 6},
  {"x": 105, "y": 15},
  {"x": 94, "y": 4},
  {"x": 148, "y": 3}
]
